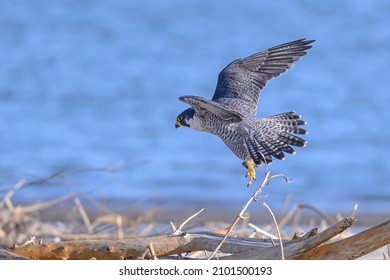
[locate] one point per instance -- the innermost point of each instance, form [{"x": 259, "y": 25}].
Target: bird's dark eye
[{"x": 179, "y": 118}]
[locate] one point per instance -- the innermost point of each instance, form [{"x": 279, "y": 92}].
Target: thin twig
[
  {"x": 9, "y": 195},
  {"x": 263, "y": 232},
  {"x": 173, "y": 227},
  {"x": 31, "y": 241},
  {"x": 231, "y": 228},
  {"x": 84, "y": 215},
  {"x": 63, "y": 174},
  {"x": 143, "y": 253},
  {"x": 43, "y": 205},
  {"x": 241, "y": 214},
  {"x": 277, "y": 227},
  {"x": 272, "y": 214},
  {"x": 280, "y": 175},
  {"x": 289, "y": 215},
  {"x": 326, "y": 217},
  {"x": 119, "y": 223},
  {"x": 151, "y": 250},
  {"x": 147, "y": 229},
  {"x": 353, "y": 211},
  {"x": 178, "y": 230},
  {"x": 297, "y": 217},
  {"x": 284, "y": 208}
]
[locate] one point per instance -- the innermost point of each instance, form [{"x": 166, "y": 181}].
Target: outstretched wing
[
  {"x": 240, "y": 83},
  {"x": 204, "y": 106}
]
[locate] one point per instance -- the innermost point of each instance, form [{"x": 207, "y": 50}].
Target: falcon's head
[{"x": 185, "y": 118}]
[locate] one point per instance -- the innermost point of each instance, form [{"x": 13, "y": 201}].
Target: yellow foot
[{"x": 251, "y": 171}]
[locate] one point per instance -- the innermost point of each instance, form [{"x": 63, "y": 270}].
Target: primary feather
[{"x": 240, "y": 83}]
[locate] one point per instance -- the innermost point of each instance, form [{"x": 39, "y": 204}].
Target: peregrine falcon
[{"x": 230, "y": 113}]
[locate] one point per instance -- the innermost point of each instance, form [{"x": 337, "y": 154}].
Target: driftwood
[
  {"x": 309, "y": 246},
  {"x": 18, "y": 223},
  {"x": 6, "y": 255},
  {"x": 352, "y": 247}
]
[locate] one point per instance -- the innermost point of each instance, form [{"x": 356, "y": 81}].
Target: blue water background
[{"x": 94, "y": 84}]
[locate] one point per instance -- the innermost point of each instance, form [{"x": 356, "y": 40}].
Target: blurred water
[{"x": 89, "y": 84}]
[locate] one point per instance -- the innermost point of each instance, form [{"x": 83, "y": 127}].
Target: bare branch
[
  {"x": 84, "y": 215},
  {"x": 180, "y": 227},
  {"x": 241, "y": 214},
  {"x": 277, "y": 228}
]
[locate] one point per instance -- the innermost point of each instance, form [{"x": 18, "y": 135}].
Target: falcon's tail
[{"x": 272, "y": 136}]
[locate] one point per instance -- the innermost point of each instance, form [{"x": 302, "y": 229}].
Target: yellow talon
[{"x": 251, "y": 171}]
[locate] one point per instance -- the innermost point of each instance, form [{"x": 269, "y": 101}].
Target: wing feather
[
  {"x": 240, "y": 83},
  {"x": 204, "y": 106}
]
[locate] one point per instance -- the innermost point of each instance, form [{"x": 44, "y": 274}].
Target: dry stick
[
  {"x": 178, "y": 230},
  {"x": 43, "y": 205},
  {"x": 147, "y": 229},
  {"x": 34, "y": 207},
  {"x": 327, "y": 218},
  {"x": 142, "y": 254},
  {"x": 151, "y": 250},
  {"x": 9, "y": 195},
  {"x": 119, "y": 224},
  {"x": 284, "y": 208},
  {"x": 353, "y": 211},
  {"x": 289, "y": 215},
  {"x": 273, "y": 216},
  {"x": 263, "y": 232},
  {"x": 109, "y": 168},
  {"x": 240, "y": 215},
  {"x": 276, "y": 225},
  {"x": 84, "y": 215},
  {"x": 98, "y": 204},
  {"x": 31, "y": 241}
]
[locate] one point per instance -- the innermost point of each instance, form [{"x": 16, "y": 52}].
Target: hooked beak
[{"x": 177, "y": 124}]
